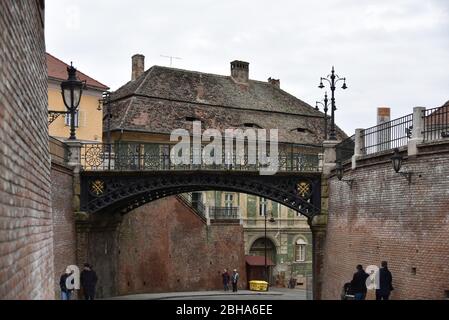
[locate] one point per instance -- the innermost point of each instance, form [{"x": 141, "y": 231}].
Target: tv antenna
[{"x": 171, "y": 59}]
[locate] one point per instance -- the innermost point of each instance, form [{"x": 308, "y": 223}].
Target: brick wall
[
  {"x": 26, "y": 244},
  {"x": 165, "y": 247},
  {"x": 384, "y": 218},
  {"x": 64, "y": 235}
]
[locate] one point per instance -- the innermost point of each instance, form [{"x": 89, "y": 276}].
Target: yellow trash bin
[{"x": 256, "y": 285}]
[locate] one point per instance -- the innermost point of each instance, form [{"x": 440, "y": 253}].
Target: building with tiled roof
[
  {"x": 157, "y": 101},
  {"x": 89, "y": 119}
]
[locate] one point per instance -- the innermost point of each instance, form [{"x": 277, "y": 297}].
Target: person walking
[
  {"x": 358, "y": 283},
  {"x": 226, "y": 277},
  {"x": 88, "y": 282},
  {"x": 65, "y": 292},
  {"x": 385, "y": 283},
  {"x": 235, "y": 279}
]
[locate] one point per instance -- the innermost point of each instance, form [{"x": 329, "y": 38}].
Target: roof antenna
[{"x": 171, "y": 59}]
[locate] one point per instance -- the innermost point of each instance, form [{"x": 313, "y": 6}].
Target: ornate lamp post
[
  {"x": 265, "y": 243},
  {"x": 325, "y": 109},
  {"x": 105, "y": 101},
  {"x": 71, "y": 91},
  {"x": 333, "y": 79}
]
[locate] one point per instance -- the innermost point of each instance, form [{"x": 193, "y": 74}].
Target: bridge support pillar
[
  {"x": 359, "y": 145},
  {"x": 318, "y": 227},
  {"x": 97, "y": 244},
  {"x": 417, "y": 131},
  {"x": 330, "y": 156}
]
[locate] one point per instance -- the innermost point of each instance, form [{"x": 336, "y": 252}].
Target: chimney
[
  {"x": 138, "y": 66},
  {"x": 384, "y": 135},
  {"x": 240, "y": 71},
  {"x": 275, "y": 82}
]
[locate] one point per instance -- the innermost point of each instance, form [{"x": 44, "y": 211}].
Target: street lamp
[
  {"x": 325, "y": 104},
  {"x": 265, "y": 242},
  {"x": 396, "y": 161},
  {"x": 333, "y": 79},
  {"x": 71, "y": 91},
  {"x": 105, "y": 101}
]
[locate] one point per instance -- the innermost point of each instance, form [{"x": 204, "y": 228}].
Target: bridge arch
[{"x": 123, "y": 192}]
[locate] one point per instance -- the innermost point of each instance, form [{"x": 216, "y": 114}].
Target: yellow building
[{"x": 88, "y": 120}]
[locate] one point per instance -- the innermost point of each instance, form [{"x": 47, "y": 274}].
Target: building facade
[
  {"x": 146, "y": 110},
  {"x": 88, "y": 119}
]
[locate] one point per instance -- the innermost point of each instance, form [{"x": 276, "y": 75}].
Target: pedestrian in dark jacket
[
  {"x": 235, "y": 279},
  {"x": 385, "y": 283},
  {"x": 358, "y": 283},
  {"x": 65, "y": 293},
  {"x": 88, "y": 282},
  {"x": 226, "y": 277}
]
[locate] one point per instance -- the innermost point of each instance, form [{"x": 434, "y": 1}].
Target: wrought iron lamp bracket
[{"x": 53, "y": 115}]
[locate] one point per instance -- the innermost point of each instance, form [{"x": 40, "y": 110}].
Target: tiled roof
[
  {"x": 57, "y": 70},
  {"x": 440, "y": 116},
  {"x": 163, "y": 99},
  {"x": 205, "y": 88}
]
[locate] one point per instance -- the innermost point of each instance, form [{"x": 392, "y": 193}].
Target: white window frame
[
  {"x": 68, "y": 116},
  {"x": 300, "y": 250},
  {"x": 229, "y": 200},
  {"x": 263, "y": 206}
]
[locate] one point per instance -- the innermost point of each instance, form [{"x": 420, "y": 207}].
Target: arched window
[{"x": 300, "y": 250}]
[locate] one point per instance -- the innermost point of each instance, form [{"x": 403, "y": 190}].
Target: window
[
  {"x": 263, "y": 203},
  {"x": 68, "y": 117},
  {"x": 300, "y": 250},
  {"x": 229, "y": 200}
]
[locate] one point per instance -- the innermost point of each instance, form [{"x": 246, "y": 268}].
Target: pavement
[{"x": 272, "y": 294}]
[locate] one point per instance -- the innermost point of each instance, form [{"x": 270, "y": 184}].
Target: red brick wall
[
  {"x": 384, "y": 218},
  {"x": 64, "y": 234},
  {"x": 26, "y": 243},
  {"x": 165, "y": 247}
]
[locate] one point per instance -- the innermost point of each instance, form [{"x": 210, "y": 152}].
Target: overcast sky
[{"x": 393, "y": 53}]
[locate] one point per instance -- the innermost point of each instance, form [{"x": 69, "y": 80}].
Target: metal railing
[
  {"x": 389, "y": 135},
  {"x": 193, "y": 203},
  {"x": 155, "y": 157},
  {"x": 345, "y": 149},
  {"x": 224, "y": 213},
  {"x": 436, "y": 123}
]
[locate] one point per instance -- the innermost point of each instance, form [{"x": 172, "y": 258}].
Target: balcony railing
[
  {"x": 389, "y": 135},
  {"x": 436, "y": 123},
  {"x": 224, "y": 213},
  {"x": 154, "y": 157}
]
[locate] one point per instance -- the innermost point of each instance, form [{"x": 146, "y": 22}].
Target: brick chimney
[
  {"x": 138, "y": 66},
  {"x": 274, "y": 82},
  {"x": 240, "y": 71}
]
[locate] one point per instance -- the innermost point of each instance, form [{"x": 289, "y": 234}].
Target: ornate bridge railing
[
  {"x": 345, "y": 149},
  {"x": 156, "y": 157},
  {"x": 436, "y": 123},
  {"x": 219, "y": 213},
  {"x": 389, "y": 135}
]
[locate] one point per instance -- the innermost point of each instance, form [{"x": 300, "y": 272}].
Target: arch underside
[{"x": 125, "y": 193}]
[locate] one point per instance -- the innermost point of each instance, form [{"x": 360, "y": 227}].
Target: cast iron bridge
[{"x": 122, "y": 177}]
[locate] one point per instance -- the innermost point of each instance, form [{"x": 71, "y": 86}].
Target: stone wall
[
  {"x": 384, "y": 218},
  {"x": 26, "y": 237},
  {"x": 164, "y": 246},
  {"x": 64, "y": 235}
]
